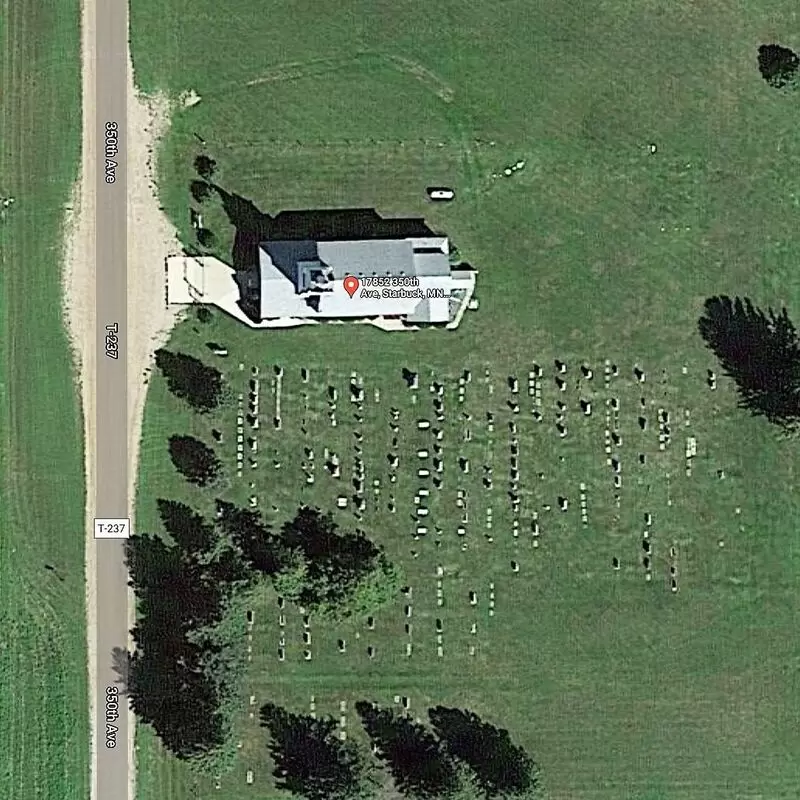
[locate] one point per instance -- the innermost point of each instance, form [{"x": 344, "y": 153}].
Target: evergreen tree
[
  {"x": 344, "y": 573},
  {"x": 760, "y": 352},
  {"x": 195, "y": 460},
  {"x": 193, "y": 534},
  {"x": 419, "y": 765},
  {"x": 190, "y": 379},
  {"x": 502, "y": 769},
  {"x": 200, "y": 190},
  {"x": 206, "y": 238},
  {"x": 250, "y": 534},
  {"x": 312, "y": 762},
  {"x": 205, "y": 166},
  {"x": 778, "y": 65},
  {"x": 186, "y": 671}
]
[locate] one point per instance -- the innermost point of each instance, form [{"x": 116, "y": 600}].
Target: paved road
[{"x": 111, "y": 779}]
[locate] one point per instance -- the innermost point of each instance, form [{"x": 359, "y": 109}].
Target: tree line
[
  {"x": 458, "y": 756},
  {"x": 192, "y": 592},
  {"x": 193, "y": 582}
]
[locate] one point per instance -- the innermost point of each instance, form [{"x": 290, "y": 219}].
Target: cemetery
[
  {"x": 519, "y": 503},
  {"x": 597, "y": 544}
]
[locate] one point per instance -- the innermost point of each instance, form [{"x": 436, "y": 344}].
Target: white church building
[{"x": 404, "y": 283}]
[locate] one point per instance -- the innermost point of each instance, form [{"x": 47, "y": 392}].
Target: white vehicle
[{"x": 440, "y": 193}]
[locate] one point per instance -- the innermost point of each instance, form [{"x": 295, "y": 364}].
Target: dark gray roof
[
  {"x": 361, "y": 257},
  {"x": 364, "y": 258},
  {"x": 286, "y": 255}
]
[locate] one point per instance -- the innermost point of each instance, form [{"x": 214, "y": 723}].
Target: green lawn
[
  {"x": 597, "y": 249},
  {"x": 44, "y": 739},
  {"x": 614, "y": 684}
]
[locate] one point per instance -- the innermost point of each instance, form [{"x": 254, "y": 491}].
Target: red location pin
[{"x": 351, "y": 284}]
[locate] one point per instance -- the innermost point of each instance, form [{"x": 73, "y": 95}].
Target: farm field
[
  {"x": 44, "y": 740},
  {"x": 598, "y": 249}
]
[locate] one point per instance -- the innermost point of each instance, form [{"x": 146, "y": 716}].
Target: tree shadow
[
  {"x": 311, "y": 760},
  {"x": 760, "y": 351},
  {"x": 418, "y": 763},
  {"x": 120, "y": 664},
  {"x": 501, "y": 767}
]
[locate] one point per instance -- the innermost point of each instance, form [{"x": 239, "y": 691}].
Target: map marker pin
[{"x": 351, "y": 284}]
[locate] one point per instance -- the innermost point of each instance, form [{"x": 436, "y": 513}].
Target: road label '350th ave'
[
  {"x": 111, "y": 150},
  {"x": 112, "y": 715}
]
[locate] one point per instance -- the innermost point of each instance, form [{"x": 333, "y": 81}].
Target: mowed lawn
[
  {"x": 44, "y": 737},
  {"x": 619, "y": 687},
  {"x": 596, "y": 249}
]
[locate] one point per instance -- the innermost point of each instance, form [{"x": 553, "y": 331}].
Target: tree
[
  {"x": 186, "y": 671},
  {"x": 203, "y": 314},
  {"x": 502, "y": 769},
  {"x": 190, "y": 379},
  {"x": 760, "y": 352},
  {"x": 200, "y": 190},
  {"x": 468, "y": 787},
  {"x": 205, "y": 166},
  {"x": 310, "y": 759},
  {"x": 190, "y": 531},
  {"x": 169, "y": 690},
  {"x": 376, "y": 588},
  {"x": 167, "y": 686},
  {"x": 293, "y": 576},
  {"x": 345, "y": 573},
  {"x": 195, "y": 460},
  {"x": 253, "y": 538},
  {"x": 206, "y": 238},
  {"x": 418, "y": 763},
  {"x": 778, "y": 65}
]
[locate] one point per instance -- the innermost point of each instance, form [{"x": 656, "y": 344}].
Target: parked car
[{"x": 440, "y": 193}]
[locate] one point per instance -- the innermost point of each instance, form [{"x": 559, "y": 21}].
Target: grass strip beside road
[{"x": 44, "y": 739}]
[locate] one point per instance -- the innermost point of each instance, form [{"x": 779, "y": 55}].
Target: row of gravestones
[{"x": 370, "y": 623}]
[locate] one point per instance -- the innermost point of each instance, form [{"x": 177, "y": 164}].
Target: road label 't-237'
[
  {"x": 112, "y": 340},
  {"x": 111, "y": 150}
]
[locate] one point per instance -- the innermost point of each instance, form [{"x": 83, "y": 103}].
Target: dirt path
[{"x": 150, "y": 239}]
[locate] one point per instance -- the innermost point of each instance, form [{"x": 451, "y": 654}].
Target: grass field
[
  {"x": 44, "y": 739},
  {"x": 617, "y": 685},
  {"x": 597, "y": 249}
]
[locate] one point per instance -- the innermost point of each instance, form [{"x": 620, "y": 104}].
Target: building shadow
[{"x": 253, "y": 226}]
